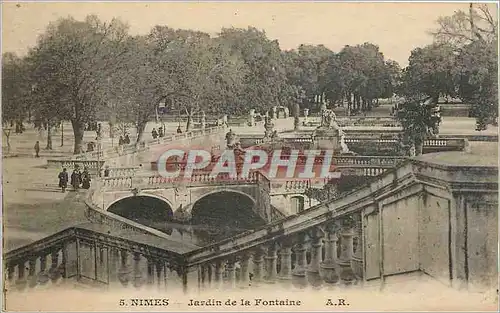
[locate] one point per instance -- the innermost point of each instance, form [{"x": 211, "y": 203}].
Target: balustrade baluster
[
  {"x": 258, "y": 265},
  {"x": 329, "y": 265},
  {"x": 300, "y": 253},
  {"x": 316, "y": 250},
  {"x": 158, "y": 267},
  {"x": 124, "y": 273},
  {"x": 137, "y": 270},
  {"x": 244, "y": 273},
  {"x": 10, "y": 274},
  {"x": 150, "y": 275},
  {"x": 43, "y": 276},
  {"x": 21, "y": 280},
  {"x": 32, "y": 273},
  {"x": 54, "y": 271},
  {"x": 286, "y": 260},
  {"x": 231, "y": 273},
  {"x": 346, "y": 272},
  {"x": 271, "y": 260},
  {"x": 219, "y": 270}
]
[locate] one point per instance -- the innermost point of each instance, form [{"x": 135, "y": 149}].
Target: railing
[
  {"x": 120, "y": 171},
  {"x": 132, "y": 148},
  {"x": 196, "y": 179},
  {"x": 93, "y": 165},
  {"x": 91, "y": 255},
  {"x": 382, "y": 121},
  {"x": 356, "y": 223}
]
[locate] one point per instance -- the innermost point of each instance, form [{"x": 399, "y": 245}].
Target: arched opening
[
  {"x": 297, "y": 204},
  {"x": 223, "y": 214},
  {"x": 149, "y": 211}
]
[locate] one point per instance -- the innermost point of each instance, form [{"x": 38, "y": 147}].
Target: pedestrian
[
  {"x": 161, "y": 133},
  {"x": 120, "y": 141},
  {"x": 85, "y": 178},
  {"x": 37, "y": 149},
  {"x": 154, "y": 133},
  {"x": 179, "y": 130},
  {"x": 126, "y": 139},
  {"x": 76, "y": 178},
  {"x": 106, "y": 171},
  {"x": 63, "y": 179}
]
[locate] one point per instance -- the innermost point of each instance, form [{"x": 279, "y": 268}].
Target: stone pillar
[
  {"x": 137, "y": 270},
  {"x": 203, "y": 276},
  {"x": 32, "y": 273},
  {"x": 316, "y": 251},
  {"x": 219, "y": 269},
  {"x": 10, "y": 275},
  {"x": 346, "y": 272},
  {"x": 300, "y": 252},
  {"x": 244, "y": 274},
  {"x": 114, "y": 264},
  {"x": 328, "y": 266},
  {"x": 21, "y": 280},
  {"x": 231, "y": 274},
  {"x": 124, "y": 273},
  {"x": 159, "y": 267},
  {"x": 286, "y": 262},
  {"x": 54, "y": 271},
  {"x": 151, "y": 274},
  {"x": 43, "y": 276},
  {"x": 271, "y": 263},
  {"x": 258, "y": 265}
]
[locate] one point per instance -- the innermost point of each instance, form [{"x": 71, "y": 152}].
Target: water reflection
[{"x": 200, "y": 235}]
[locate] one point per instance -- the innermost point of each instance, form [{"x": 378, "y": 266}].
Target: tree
[
  {"x": 477, "y": 70},
  {"x": 419, "y": 119},
  {"x": 430, "y": 72},
  {"x": 265, "y": 82},
  {"x": 72, "y": 60},
  {"x": 466, "y": 27},
  {"x": 474, "y": 36},
  {"x": 16, "y": 90}
]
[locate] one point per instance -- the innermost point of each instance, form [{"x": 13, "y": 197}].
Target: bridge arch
[
  {"x": 143, "y": 208},
  {"x": 228, "y": 190},
  {"x": 226, "y": 211}
]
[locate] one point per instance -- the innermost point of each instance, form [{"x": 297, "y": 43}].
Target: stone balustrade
[
  {"x": 92, "y": 165},
  {"x": 371, "y": 121},
  {"x": 349, "y": 239},
  {"x": 420, "y": 217},
  {"x": 121, "y": 171},
  {"x": 91, "y": 256},
  {"x": 145, "y": 145}
]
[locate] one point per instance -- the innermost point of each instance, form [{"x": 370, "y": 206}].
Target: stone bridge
[
  {"x": 286, "y": 195},
  {"x": 180, "y": 196}
]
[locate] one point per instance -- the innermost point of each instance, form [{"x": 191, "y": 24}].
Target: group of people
[
  {"x": 79, "y": 179},
  {"x": 124, "y": 140},
  {"x": 160, "y": 133}
]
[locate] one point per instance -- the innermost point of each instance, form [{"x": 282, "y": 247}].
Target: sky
[{"x": 396, "y": 28}]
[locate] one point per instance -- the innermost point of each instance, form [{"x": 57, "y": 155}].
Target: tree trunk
[
  {"x": 49, "y": 136},
  {"x": 141, "y": 127},
  {"x": 7, "y": 139},
  {"x": 189, "y": 119},
  {"x": 62, "y": 133},
  {"x": 78, "y": 131}
]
